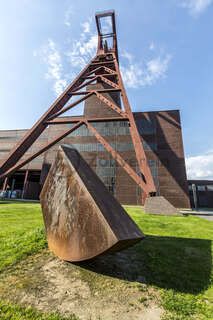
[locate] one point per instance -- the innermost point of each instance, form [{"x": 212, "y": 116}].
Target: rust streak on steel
[
  {"x": 113, "y": 72},
  {"x": 107, "y": 81},
  {"x": 110, "y": 104}
]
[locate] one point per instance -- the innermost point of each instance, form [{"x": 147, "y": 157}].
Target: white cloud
[
  {"x": 51, "y": 56},
  {"x": 127, "y": 55},
  {"x": 143, "y": 74},
  {"x": 152, "y": 46},
  {"x": 83, "y": 49},
  {"x": 156, "y": 68},
  {"x": 134, "y": 74},
  {"x": 68, "y": 16},
  {"x": 86, "y": 26},
  {"x": 196, "y": 7},
  {"x": 200, "y": 167}
]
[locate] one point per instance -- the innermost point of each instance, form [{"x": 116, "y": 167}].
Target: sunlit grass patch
[{"x": 21, "y": 231}]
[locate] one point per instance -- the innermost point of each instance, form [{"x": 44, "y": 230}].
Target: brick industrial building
[{"x": 162, "y": 136}]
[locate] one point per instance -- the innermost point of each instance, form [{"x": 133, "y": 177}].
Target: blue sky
[{"x": 166, "y": 57}]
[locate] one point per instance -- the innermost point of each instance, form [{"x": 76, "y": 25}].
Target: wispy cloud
[
  {"x": 52, "y": 57},
  {"x": 144, "y": 73},
  {"x": 79, "y": 52},
  {"x": 152, "y": 46},
  {"x": 200, "y": 167},
  {"x": 195, "y": 7},
  {"x": 68, "y": 16},
  {"x": 75, "y": 55},
  {"x": 86, "y": 26},
  {"x": 134, "y": 74},
  {"x": 83, "y": 49}
]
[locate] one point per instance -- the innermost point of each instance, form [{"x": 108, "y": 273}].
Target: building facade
[
  {"x": 201, "y": 193},
  {"x": 161, "y": 136}
]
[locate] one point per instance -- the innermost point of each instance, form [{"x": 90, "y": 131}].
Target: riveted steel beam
[{"x": 110, "y": 104}]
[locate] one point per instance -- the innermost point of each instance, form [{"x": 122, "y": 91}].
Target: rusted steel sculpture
[
  {"x": 103, "y": 68},
  {"x": 82, "y": 218}
]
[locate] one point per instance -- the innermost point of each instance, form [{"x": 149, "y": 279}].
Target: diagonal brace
[
  {"x": 110, "y": 104},
  {"x": 42, "y": 150},
  {"x": 118, "y": 158}
]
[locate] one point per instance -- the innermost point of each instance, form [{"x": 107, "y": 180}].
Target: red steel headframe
[{"x": 104, "y": 68}]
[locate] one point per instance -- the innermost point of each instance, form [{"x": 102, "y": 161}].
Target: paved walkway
[
  {"x": 206, "y": 216},
  {"x": 202, "y": 213}
]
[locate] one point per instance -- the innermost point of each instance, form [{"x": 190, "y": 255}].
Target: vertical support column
[
  {"x": 144, "y": 196},
  {"x": 194, "y": 192},
  {"x": 5, "y": 184},
  {"x": 12, "y": 187},
  {"x": 136, "y": 139},
  {"x": 25, "y": 183}
]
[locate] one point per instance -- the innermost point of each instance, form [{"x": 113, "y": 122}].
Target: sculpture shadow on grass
[{"x": 181, "y": 264}]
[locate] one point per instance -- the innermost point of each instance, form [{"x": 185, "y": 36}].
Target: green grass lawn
[
  {"x": 175, "y": 258},
  {"x": 178, "y": 252},
  {"x": 21, "y": 231},
  {"x": 14, "y": 312}
]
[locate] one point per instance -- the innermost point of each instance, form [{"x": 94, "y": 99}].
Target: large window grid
[
  {"x": 119, "y": 146},
  {"x": 153, "y": 164},
  {"x": 111, "y": 128},
  {"x": 153, "y": 167},
  {"x": 106, "y": 170}
]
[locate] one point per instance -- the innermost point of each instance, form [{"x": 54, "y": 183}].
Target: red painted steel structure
[{"x": 103, "y": 68}]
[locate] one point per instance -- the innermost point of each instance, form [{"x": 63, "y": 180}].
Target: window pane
[
  {"x": 210, "y": 187},
  {"x": 201, "y": 188}
]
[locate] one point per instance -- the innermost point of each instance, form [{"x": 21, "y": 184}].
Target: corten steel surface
[
  {"x": 104, "y": 69},
  {"x": 82, "y": 219}
]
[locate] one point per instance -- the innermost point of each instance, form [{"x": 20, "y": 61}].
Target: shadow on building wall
[{"x": 170, "y": 155}]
